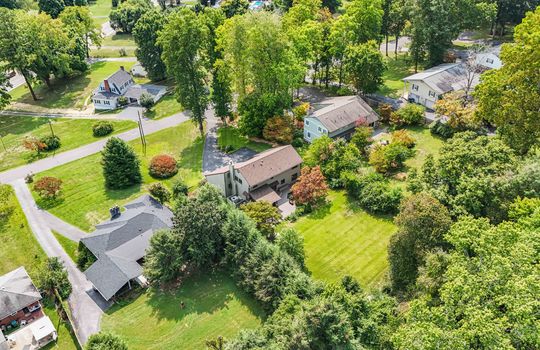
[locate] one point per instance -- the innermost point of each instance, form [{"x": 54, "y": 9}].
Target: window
[
  {"x": 432, "y": 94},
  {"x": 414, "y": 87},
  {"x": 489, "y": 60},
  {"x": 319, "y": 128},
  {"x": 308, "y": 135},
  {"x": 307, "y": 122},
  {"x": 97, "y": 102},
  {"x": 282, "y": 181},
  {"x": 294, "y": 177},
  {"x": 107, "y": 102}
]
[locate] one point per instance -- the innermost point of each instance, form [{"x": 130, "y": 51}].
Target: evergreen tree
[{"x": 120, "y": 165}]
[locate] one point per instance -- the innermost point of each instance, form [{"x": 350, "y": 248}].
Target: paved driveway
[{"x": 85, "y": 304}]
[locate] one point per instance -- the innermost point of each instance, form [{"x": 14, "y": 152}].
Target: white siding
[{"x": 422, "y": 93}]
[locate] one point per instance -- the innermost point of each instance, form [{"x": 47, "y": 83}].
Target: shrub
[
  {"x": 122, "y": 100},
  {"x": 442, "y": 129},
  {"x": 279, "y": 129},
  {"x": 122, "y": 52},
  {"x": 51, "y": 142},
  {"x": 107, "y": 341},
  {"x": 298, "y": 142},
  {"x": 301, "y": 111},
  {"x": 362, "y": 138},
  {"x": 403, "y": 137},
  {"x": 390, "y": 157},
  {"x": 48, "y": 187},
  {"x": 160, "y": 192},
  {"x": 114, "y": 3},
  {"x": 120, "y": 164},
  {"x": 146, "y": 101},
  {"x": 410, "y": 114},
  {"x": 163, "y": 166},
  {"x": 179, "y": 188},
  {"x": 102, "y": 128},
  {"x": 373, "y": 192},
  {"x": 385, "y": 112},
  {"x": 85, "y": 258}
]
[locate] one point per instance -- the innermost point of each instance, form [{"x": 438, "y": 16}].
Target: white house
[
  {"x": 121, "y": 83},
  {"x": 338, "y": 117},
  {"x": 427, "y": 87},
  {"x": 262, "y": 177},
  {"x": 488, "y": 60}
]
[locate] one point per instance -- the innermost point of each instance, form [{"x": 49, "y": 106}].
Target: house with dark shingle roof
[
  {"x": 19, "y": 299},
  {"x": 338, "y": 117},
  {"x": 121, "y": 83},
  {"x": 261, "y": 177},
  {"x": 120, "y": 244}
]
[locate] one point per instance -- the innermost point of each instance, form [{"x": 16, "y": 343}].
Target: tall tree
[
  {"x": 51, "y": 7},
  {"x": 128, "y": 13},
  {"x": 365, "y": 66},
  {"x": 120, "y": 164},
  {"x": 184, "y": 42},
  {"x": 82, "y": 26},
  {"x": 148, "y": 51},
  {"x": 5, "y": 98},
  {"x": 234, "y": 7},
  {"x": 509, "y": 97}
]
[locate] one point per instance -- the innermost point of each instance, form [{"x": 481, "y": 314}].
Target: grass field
[
  {"x": 165, "y": 107},
  {"x": 342, "y": 239},
  {"x": 85, "y": 201},
  {"x": 72, "y": 133},
  {"x": 70, "y": 247},
  {"x": 397, "y": 69},
  {"x": 109, "y": 52},
  {"x": 230, "y": 137},
  {"x": 119, "y": 40},
  {"x": 100, "y": 8},
  {"x": 71, "y": 92},
  {"x": 214, "y": 306},
  {"x": 65, "y": 341}
]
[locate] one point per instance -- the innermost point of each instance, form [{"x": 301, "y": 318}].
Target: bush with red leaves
[
  {"x": 48, "y": 187},
  {"x": 163, "y": 166}
]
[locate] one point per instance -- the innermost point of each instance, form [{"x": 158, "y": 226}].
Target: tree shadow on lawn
[
  {"x": 190, "y": 158},
  {"x": 123, "y": 193},
  {"x": 15, "y": 125}
]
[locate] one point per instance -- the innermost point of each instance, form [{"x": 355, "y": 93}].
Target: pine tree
[{"x": 120, "y": 165}]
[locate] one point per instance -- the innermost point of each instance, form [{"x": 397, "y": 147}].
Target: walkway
[
  {"x": 150, "y": 126},
  {"x": 64, "y": 228},
  {"x": 85, "y": 304}
]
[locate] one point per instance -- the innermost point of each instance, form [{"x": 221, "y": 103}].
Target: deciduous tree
[
  {"x": 148, "y": 52},
  {"x": 265, "y": 215},
  {"x": 104, "y": 340},
  {"x": 365, "y": 67},
  {"x": 311, "y": 187}
]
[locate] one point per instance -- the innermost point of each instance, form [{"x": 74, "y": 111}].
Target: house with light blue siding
[{"x": 338, "y": 117}]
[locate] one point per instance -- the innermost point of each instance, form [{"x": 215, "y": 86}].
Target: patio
[{"x": 33, "y": 336}]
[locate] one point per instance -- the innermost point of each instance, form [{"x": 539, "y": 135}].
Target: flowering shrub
[
  {"x": 48, "y": 187},
  {"x": 163, "y": 166}
]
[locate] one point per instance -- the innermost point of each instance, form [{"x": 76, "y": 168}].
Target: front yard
[
  {"x": 214, "y": 306},
  {"x": 342, "y": 239},
  {"x": 71, "y": 93},
  {"x": 165, "y": 107},
  {"x": 85, "y": 201},
  {"x": 73, "y": 133},
  {"x": 230, "y": 140}
]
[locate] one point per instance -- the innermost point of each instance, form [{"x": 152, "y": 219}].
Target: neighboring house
[
  {"x": 120, "y": 244},
  {"x": 138, "y": 70},
  {"x": 488, "y": 60},
  {"x": 119, "y": 84},
  {"x": 429, "y": 86},
  {"x": 261, "y": 177},
  {"x": 20, "y": 307},
  {"x": 338, "y": 117}
]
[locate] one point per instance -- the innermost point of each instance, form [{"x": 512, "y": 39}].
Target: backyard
[
  {"x": 214, "y": 306},
  {"x": 85, "y": 201},
  {"x": 397, "y": 69},
  {"x": 71, "y": 92},
  {"x": 342, "y": 239},
  {"x": 230, "y": 139},
  {"x": 73, "y": 133}
]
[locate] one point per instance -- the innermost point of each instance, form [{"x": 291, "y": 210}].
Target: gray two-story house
[{"x": 338, "y": 117}]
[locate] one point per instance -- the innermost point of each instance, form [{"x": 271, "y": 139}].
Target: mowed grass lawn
[
  {"x": 72, "y": 133},
  {"x": 70, "y": 247},
  {"x": 230, "y": 137},
  {"x": 165, "y": 107},
  {"x": 85, "y": 201},
  {"x": 214, "y": 306},
  {"x": 342, "y": 239},
  {"x": 100, "y": 10},
  {"x": 71, "y": 92},
  {"x": 397, "y": 69}
]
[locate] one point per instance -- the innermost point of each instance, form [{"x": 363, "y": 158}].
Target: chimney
[
  {"x": 106, "y": 85},
  {"x": 122, "y": 68}
]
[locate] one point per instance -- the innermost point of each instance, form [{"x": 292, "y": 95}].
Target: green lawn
[
  {"x": 100, "y": 7},
  {"x": 119, "y": 40},
  {"x": 73, "y": 133},
  {"x": 397, "y": 69},
  {"x": 165, "y": 107},
  {"x": 69, "y": 92},
  {"x": 342, "y": 239},
  {"x": 230, "y": 137},
  {"x": 107, "y": 52},
  {"x": 65, "y": 341},
  {"x": 19, "y": 246},
  {"x": 85, "y": 201},
  {"x": 214, "y": 306},
  {"x": 70, "y": 247}
]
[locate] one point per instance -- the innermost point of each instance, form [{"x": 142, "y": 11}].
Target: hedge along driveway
[
  {"x": 85, "y": 201},
  {"x": 72, "y": 133}
]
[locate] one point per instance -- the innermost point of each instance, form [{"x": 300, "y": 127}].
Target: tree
[
  {"x": 48, "y": 187},
  {"x": 51, "y": 7},
  {"x": 292, "y": 243},
  {"x": 410, "y": 114},
  {"x": 5, "y": 98},
  {"x": 32, "y": 143},
  {"x": 265, "y": 215},
  {"x": 365, "y": 66},
  {"x": 125, "y": 17},
  {"x": 120, "y": 165},
  {"x": 148, "y": 52},
  {"x": 279, "y": 129},
  {"x": 147, "y": 101},
  {"x": 160, "y": 192},
  {"x": 459, "y": 111},
  {"x": 386, "y": 158},
  {"x": 505, "y": 95},
  {"x": 183, "y": 40},
  {"x": 79, "y": 20},
  {"x": 311, "y": 188},
  {"x": 233, "y": 8},
  {"x": 163, "y": 260},
  {"x": 422, "y": 222},
  {"x": 105, "y": 341},
  {"x": 53, "y": 277},
  {"x": 373, "y": 192},
  {"x": 362, "y": 138}
]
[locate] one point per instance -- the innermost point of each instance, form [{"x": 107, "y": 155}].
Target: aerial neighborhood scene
[{"x": 269, "y": 174}]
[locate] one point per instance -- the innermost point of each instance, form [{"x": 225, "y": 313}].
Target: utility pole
[
  {"x": 141, "y": 132},
  {"x": 50, "y": 126}
]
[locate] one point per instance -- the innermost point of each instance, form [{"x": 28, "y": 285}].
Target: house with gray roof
[
  {"x": 428, "y": 86},
  {"x": 338, "y": 117},
  {"x": 119, "y": 245},
  {"x": 121, "y": 83},
  {"x": 19, "y": 299}
]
